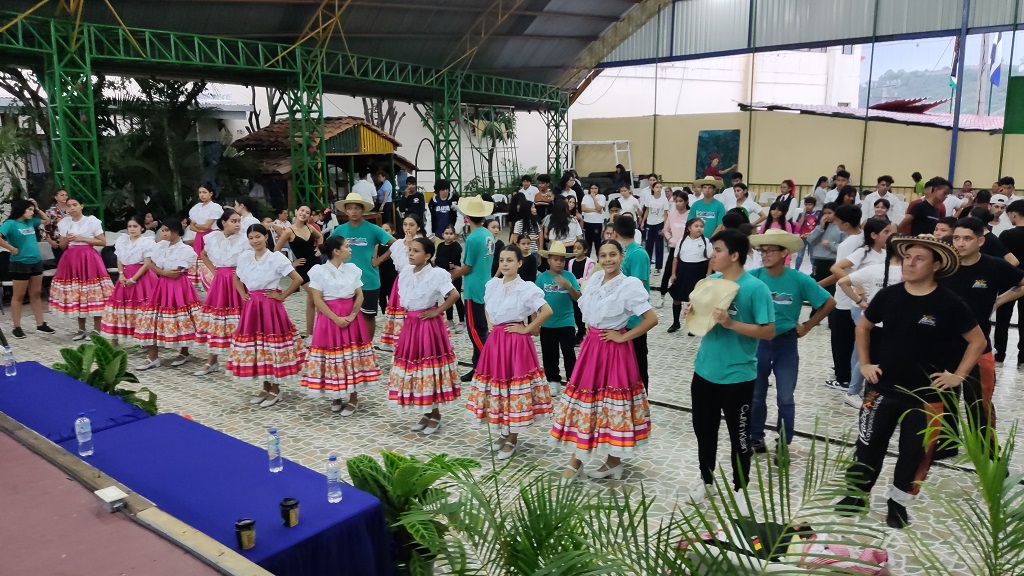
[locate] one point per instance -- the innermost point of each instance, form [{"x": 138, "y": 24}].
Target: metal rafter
[
  {"x": 485, "y": 25},
  {"x": 441, "y": 117},
  {"x": 306, "y": 130},
  {"x": 557, "y": 120}
]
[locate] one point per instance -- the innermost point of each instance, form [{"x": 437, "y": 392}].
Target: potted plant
[{"x": 110, "y": 372}]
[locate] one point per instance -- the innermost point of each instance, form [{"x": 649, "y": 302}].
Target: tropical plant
[
  {"x": 406, "y": 486},
  {"x": 110, "y": 372}
]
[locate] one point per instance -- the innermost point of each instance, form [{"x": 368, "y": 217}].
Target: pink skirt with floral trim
[
  {"x": 340, "y": 361},
  {"x": 219, "y": 316},
  {"x": 267, "y": 346},
  {"x": 121, "y": 309},
  {"x": 81, "y": 284},
  {"x": 423, "y": 375},
  {"x": 509, "y": 389},
  {"x": 168, "y": 319}
]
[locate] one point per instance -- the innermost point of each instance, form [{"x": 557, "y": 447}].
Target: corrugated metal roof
[{"x": 968, "y": 122}]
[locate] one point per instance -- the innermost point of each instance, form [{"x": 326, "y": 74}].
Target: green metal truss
[
  {"x": 69, "y": 89},
  {"x": 557, "y": 120},
  {"x": 441, "y": 116},
  {"x": 306, "y": 131}
]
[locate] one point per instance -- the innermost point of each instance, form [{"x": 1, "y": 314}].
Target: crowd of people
[{"x": 909, "y": 324}]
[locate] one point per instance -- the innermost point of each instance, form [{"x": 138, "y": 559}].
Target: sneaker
[
  {"x": 460, "y": 328},
  {"x": 699, "y": 493},
  {"x": 45, "y": 328},
  {"x": 18, "y": 332},
  {"x": 852, "y": 506},
  {"x": 854, "y": 400},
  {"x": 837, "y": 385},
  {"x": 79, "y": 336},
  {"x": 661, "y": 302},
  {"x": 897, "y": 517}
]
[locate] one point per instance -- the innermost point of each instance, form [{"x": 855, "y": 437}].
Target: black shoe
[
  {"x": 468, "y": 376},
  {"x": 18, "y": 332},
  {"x": 1000, "y": 358},
  {"x": 837, "y": 385},
  {"x": 945, "y": 453},
  {"x": 674, "y": 328},
  {"x": 851, "y": 506},
  {"x": 45, "y": 328},
  {"x": 897, "y": 517},
  {"x": 759, "y": 447}
]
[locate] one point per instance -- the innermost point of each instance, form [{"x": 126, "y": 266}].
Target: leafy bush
[{"x": 111, "y": 370}]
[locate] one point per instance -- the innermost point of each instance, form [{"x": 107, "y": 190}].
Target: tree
[
  {"x": 382, "y": 114},
  {"x": 275, "y": 99},
  {"x": 489, "y": 127}
]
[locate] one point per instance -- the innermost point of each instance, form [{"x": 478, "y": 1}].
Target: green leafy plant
[
  {"x": 111, "y": 370},
  {"x": 406, "y": 486}
]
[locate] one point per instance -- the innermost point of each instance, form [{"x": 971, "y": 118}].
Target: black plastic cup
[
  {"x": 290, "y": 512},
  {"x": 245, "y": 533}
]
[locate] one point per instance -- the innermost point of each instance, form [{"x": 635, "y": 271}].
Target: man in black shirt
[
  {"x": 412, "y": 201},
  {"x": 922, "y": 217},
  {"x": 924, "y": 319},
  {"x": 992, "y": 246},
  {"x": 1013, "y": 240}
]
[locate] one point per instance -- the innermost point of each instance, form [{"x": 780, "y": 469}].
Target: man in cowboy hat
[
  {"x": 476, "y": 268},
  {"x": 708, "y": 208},
  {"x": 923, "y": 361},
  {"x": 363, "y": 238},
  {"x": 561, "y": 290},
  {"x": 790, "y": 289}
]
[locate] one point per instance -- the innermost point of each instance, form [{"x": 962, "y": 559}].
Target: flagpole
[{"x": 955, "y": 137}]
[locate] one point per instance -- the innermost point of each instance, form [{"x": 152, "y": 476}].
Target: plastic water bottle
[
  {"x": 10, "y": 364},
  {"x": 274, "y": 451},
  {"x": 333, "y": 480},
  {"x": 83, "y": 430}
]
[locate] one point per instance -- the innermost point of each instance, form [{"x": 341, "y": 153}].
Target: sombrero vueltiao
[
  {"x": 947, "y": 255},
  {"x": 776, "y": 237},
  {"x": 708, "y": 180}
]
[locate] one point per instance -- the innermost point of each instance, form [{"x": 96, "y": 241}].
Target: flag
[
  {"x": 995, "y": 59},
  {"x": 956, "y": 63}
]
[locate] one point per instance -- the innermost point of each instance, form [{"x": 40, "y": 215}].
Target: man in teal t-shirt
[
  {"x": 636, "y": 262},
  {"x": 476, "y": 268},
  {"x": 364, "y": 237},
  {"x": 726, "y": 363},
  {"x": 561, "y": 290},
  {"x": 708, "y": 208},
  {"x": 790, "y": 289}
]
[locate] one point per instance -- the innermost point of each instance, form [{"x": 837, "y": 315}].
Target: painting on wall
[{"x": 718, "y": 152}]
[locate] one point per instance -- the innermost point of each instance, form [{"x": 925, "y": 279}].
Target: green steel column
[
  {"x": 557, "y": 121},
  {"x": 69, "y": 90},
  {"x": 306, "y": 130},
  {"x": 444, "y": 126}
]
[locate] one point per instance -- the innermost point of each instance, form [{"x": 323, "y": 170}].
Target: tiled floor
[{"x": 311, "y": 432}]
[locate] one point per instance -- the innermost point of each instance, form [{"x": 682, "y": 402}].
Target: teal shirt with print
[
  {"x": 789, "y": 292},
  {"x": 710, "y": 212},
  {"x": 559, "y": 299},
  {"x": 479, "y": 255},
  {"x": 22, "y": 235},
  {"x": 726, "y": 356},
  {"x": 637, "y": 264},
  {"x": 364, "y": 240}
]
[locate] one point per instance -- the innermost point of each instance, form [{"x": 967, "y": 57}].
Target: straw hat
[
  {"x": 709, "y": 294},
  {"x": 475, "y": 207},
  {"x": 776, "y": 237},
  {"x": 947, "y": 255},
  {"x": 557, "y": 249},
  {"x": 708, "y": 180},
  {"x": 353, "y": 198}
]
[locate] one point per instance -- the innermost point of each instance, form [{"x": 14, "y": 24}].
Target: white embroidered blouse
[
  {"x": 400, "y": 255},
  {"x": 340, "y": 282},
  {"x": 265, "y": 273},
  {"x": 88, "y": 226},
  {"x": 609, "y": 306},
  {"x": 167, "y": 256},
  {"x": 511, "y": 301},
  {"x": 130, "y": 251},
  {"x": 224, "y": 250},
  {"x": 423, "y": 289},
  {"x": 203, "y": 213}
]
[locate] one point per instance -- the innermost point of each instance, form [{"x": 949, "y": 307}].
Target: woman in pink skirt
[
  {"x": 136, "y": 283},
  {"x": 604, "y": 408},
  {"x": 394, "y": 314},
  {"x": 202, "y": 216},
  {"x": 168, "y": 318},
  {"x": 340, "y": 360},
  {"x": 266, "y": 346},
  {"x": 423, "y": 375},
  {"x": 509, "y": 387},
  {"x": 81, "y": 285},
  {"x": 222, "y": 308}
]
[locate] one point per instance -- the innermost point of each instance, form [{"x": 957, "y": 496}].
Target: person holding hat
[
  {"x": 363, "y": 238},
  {"x": 476, "y": 269},
  {"x": 906, "y": 385},
  {"x": 412, "y": 202},
  {"x": 442, "y": 207},
  {"x": 726, "y": 364},
  {"x": 708, "y": 208},
  {"x": 561, "y": 291},
  {"x": 790, "y": 289}
]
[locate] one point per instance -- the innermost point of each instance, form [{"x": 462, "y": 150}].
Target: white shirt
[
  {"x": 727, "y": 197},
  {"x": 644, "y": 195},
  {"x": 897, "y": 209},
  {"x": 423, "y": 289},
  {"x": 594, "y": 217},
  {"x": 400, "y": 255},
  {"x": 248, "y": 221},
  {"x": 609, "y": 306},
  {"x": 340, "y": 282},
  {"x": 860, "y": 256},
  {"x": 871, "y": 277},
  {"x": 366, "y": 190},
  {"x": 529, "y": 193},
  {"x": 265, "y": 273},
  {"x": 631, "y": 204},
  {"x": 1001, "y": 225},
  {"x": 512, "y": 301},
  {"x": 753, "y": 261},
  {"x": 203, "y": 213},
  {"x": 657, "y": 208},
  {"x": 754, "y": 210},
  {"x": 831, "y": 195},
  {"x": 130, "y": 251},
  {"x": 88, "y": 226},
  {"x": 952, "y": 204},
  {"x": 179, "y": 256},
  {"x": 570, "y": 237},
  {"x": 695, "y": 249},
  {"x": 223, "y": 250}
]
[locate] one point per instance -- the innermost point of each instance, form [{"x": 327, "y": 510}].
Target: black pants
[
  {"x": 668, "y": 270},
  {"x": 710, "y": 402},
  {"x": 821, "y": 269},
  {"x": 640, "y": 348},
  {"x": 999, "y": 340},
  {"x": 553, "y": 339},
  {"x": 843, "y": 341},
  {"x": 477, "y": 328},
  {"x": 881, "y": 412},
  {"x": 581, "y": 328},
  {"x": 459, "y": 305},
  {"x": 592, "y": 233}
]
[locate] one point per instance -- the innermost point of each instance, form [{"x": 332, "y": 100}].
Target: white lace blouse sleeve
[
  {"x": 93, "y": 227},
  {"x": 122, "y": 248},
  {"x": 634, "y": 297},
  {"x": 441, "y": 281},
  {"x": 356, "y": 273},
  {"x": 280, "y": 264},
  {"x": 318, "y": 277}
]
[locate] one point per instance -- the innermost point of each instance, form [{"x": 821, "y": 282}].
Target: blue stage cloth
[
  {"x": 49, "y": 403},
  {"x": 210, "y": 480}
]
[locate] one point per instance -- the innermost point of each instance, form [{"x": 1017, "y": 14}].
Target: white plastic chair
[
  {"x": 767, "y": 198},
  {"x": 46, "y": 254},
  {"x": 500, "y": 216}
]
